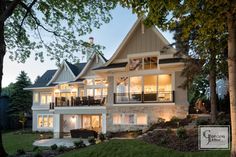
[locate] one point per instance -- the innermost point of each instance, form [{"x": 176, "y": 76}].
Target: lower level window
[
  {"x": 45, "y": 121},
  {"x": 130, "y": 119}
]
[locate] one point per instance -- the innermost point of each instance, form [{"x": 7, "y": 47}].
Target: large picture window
[
  {"x": 144, "y": 63},
  {"x": 45, "y": 121},
  {"x": 129, "y": 119},
  {"x": 147, "y": 88},
  {"x": 46, "y": 98}
]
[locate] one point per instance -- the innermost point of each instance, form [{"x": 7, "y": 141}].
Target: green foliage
[
  {"x": 22, "y": 119},
  {"x": 91, "y": 140},
  {"x": 101, "y": 137},
  {"x": 20, "y": 152},
  {"x": 54, "y": 147},
  {"x": 62, "y": 149},
  {"x": 174, "y": 119},
  {"x": 160, "y": 120},
  {"x": 181, "y": 133},
  {"x": 35, "y": 148},
  {"x": 79, "y": 144},
  {"x": 202, "y": 122},
  {"x": 108, "y": 135},
  {"x": 21, "y": 100},
  {"x": 64, "y": 22},
  {"x": 7, "y": 91}
]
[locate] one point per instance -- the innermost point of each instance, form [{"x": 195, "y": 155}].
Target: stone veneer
[{"x": 153, "y": 113}]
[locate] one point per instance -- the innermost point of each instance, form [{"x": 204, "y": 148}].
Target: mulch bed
[{"x": 170, "y": 140}]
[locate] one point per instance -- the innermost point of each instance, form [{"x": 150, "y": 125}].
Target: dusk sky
[{"x": 109, "y": 35}]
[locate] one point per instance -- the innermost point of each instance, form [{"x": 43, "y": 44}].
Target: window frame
[{"x": 47, "y": 116}]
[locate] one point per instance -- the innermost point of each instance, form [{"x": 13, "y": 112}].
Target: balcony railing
[
  {"x": 77, "y": 101},
  {"x": 144, "y": 97}
]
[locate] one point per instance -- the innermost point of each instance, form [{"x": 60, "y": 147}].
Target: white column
[
  {"x": 56, "y": 126},
  {"x": 78, "y": 122},
  {"x": 104, "y": 123}
]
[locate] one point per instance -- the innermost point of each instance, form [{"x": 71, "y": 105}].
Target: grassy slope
[
  {"x": 12, "y": 141},
  {"x": 135, "y": 148}
]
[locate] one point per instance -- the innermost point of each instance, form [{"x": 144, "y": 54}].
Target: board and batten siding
[
  {"x": 141, "y": 41},
  {"x": 64, "y": 75}
]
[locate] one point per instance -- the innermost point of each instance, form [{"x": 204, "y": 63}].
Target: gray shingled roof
[
  {"x": 111, "y": 66},
  {"x": 47, "y": 76},
  {"x": 76, "y": 68},
  {"x": 44, "y": 79}
]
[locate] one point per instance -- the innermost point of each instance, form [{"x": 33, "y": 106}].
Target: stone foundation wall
[{"x": 153, "y": 113}]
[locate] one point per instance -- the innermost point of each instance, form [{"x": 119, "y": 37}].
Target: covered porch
[{"x": 89, "y": 119}]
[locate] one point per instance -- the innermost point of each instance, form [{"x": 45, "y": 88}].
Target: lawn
[
  {"x": 12, "y": 141},
  {"x": 136, "y": 148}
]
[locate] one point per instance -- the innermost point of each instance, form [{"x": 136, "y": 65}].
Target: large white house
[{"x": 131, "y": 90}]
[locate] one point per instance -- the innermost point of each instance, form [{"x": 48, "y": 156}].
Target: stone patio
[{"x": 67, "y": 142}]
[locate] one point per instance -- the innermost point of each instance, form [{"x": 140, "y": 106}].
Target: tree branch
[
  {"x": 28, "y": 9},
  {"x": 9, "y": 10}
]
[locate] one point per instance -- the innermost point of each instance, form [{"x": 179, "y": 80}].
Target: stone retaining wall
[{"x": 153, "y": 113}]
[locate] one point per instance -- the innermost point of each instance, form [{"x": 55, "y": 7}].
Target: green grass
[
  {"x": 135, "y": 148},
  {"x": 12, "y": 141}
]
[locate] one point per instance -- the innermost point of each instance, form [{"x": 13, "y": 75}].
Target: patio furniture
[
  {"x": 83, "y": 133},
  {"x": 84, "y": 101},
  {"x": 78, "y": 101},
  {"x": 90, "y": 100}
]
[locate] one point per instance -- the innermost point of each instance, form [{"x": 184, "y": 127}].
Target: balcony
[
  {"x": 148, "y": 97},
  {"x": 77, "y": 101}
]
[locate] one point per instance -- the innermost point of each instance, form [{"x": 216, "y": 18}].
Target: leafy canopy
[{"x": 53, "y": 28}]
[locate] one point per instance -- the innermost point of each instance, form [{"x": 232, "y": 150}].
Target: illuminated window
[
  {"x": 45, "y": 121},
  {"x": 89, "y": 82},
  {"x": 89, "y": 92},
  {"x": 98, "y": 92},
  {"x": 45, "y": 98},
  {"x": 64, "y": 86},
  {"x": 40, "y": 121},
  {"x": 141, "y": 119},
  {"x": 135, "y": 88},
  {"x": 129, "y": 119},
  {"x": 150, "y": 62},
  {"x": 104, "y": 91},
  {"x": 135, "y": 64},
  {"x": 36, "y": 97},
  {"x": 117, "y": 118}
]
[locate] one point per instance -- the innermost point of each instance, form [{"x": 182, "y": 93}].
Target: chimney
[
  {"x": 91, "y": 39},
  {"x": 90, "y": 50}
]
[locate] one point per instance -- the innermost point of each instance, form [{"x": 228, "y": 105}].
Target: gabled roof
[
  {"x": 88, "y": 64},
  {"x": 44, "y": 79},
  {"x": 75, "y": 68},
  {"x": 128, "y": 36}
]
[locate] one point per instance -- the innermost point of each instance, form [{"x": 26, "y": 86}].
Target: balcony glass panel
[
  {"x": 135, "y": 88},
  {"x": 150, "y": 87}
]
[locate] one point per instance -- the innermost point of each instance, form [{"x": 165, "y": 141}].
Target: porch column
[
  {"x": 104, "y": 123},
  {"x": 57, "y": 121}
]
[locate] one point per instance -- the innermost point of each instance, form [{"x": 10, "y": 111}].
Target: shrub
[
  {"x": 160, "y": 120},
  {"x": 181, "y": 133},
  {"x": 108, "y": 135},
  {"x": 62, "y": 149},
  {"x": 54, "y": 147},
  {"x": 20, "y": 152},
  {"x": 101, "y": 137},
  {"x": 174, "y": 119},
  {"x": 202, "y": 122},
  {"x": 38, "y": 153},
  {"x": 91, "y": 140},
  {"x": 168, "y": 130},
  {"x": 35, "y": 148},
  {"x": 79, "y": 144}
]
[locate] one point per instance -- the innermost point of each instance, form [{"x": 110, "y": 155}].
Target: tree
[
  {"x": 23, "y": 25},
  {"x": 22, "y": 119},
  {"x": 7, "y": 91},
  {"x": 20, "y": 100},
  {"x": 212, "y": 16}
]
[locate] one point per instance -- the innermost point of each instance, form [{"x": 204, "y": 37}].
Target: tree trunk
[
  {"x": 2, "y": 54},
  {"x": 231, "y": 23},
  {"x": 212, "y": 80}
]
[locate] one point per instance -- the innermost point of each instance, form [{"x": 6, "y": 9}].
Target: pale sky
[{"x": 109, "y": 35}]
